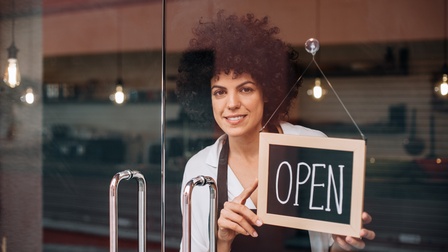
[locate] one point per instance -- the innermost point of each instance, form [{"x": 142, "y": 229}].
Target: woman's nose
[{"x": 233, "y": 102}]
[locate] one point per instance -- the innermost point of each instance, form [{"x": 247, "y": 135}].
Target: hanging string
[
  {"x": 286, "y": 96},
  {"x": 329, "y": 84},
  {"x": 339, "y": 99}
]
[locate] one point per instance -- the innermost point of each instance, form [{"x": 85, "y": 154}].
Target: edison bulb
[
  {"x": 317, "y": 92},
  {"x": 317, "y": 89},
  {"x": 119, "y": 95},
  {"x": 443, "y": 87},
  {"x": 12, "y": 74}
]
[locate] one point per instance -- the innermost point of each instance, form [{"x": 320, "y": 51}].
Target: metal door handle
[
  {"x": 186, "y": 203},
  {"x": 113, "y": 208}
]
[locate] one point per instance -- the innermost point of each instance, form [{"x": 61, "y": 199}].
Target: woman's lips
[{"x": 234, "y": 119}]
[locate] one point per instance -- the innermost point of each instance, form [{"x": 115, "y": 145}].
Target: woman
[{"x": 239, "y": 67}]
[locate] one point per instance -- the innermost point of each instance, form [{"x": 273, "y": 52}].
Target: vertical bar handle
[
  {"x": 113, "y": 208},
  {"x": 186, "y": 203}
]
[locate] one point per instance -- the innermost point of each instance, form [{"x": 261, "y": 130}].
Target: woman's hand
[
  {"x": 348, "y": 243},
  {"x": 235, "y": 218}
]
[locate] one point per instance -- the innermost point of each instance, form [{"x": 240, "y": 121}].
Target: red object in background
[{"x": 436, "y": 168}]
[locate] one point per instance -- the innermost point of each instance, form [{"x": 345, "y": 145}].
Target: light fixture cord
[
  {"x": 13, "y": 21},
  {"x": 445, "y": 39},
  {"x": 119, "y": 66}
]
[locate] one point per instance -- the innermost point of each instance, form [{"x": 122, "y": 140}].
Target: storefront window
[{"x": 94, "y": 73}]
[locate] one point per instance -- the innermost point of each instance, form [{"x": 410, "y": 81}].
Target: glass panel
[
  {"x": 21, "y": 127},
  {"x": 59, "y": 154},
  {"x": 384, "y": 69},
  {"x": 89, "y": 135}
]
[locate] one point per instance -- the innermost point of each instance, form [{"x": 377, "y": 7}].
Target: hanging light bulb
[
  {"x": 442, "y": 89},
  {"x": 12, "y": 73},
  {"x": 118, "y": 97},
  {"x": 28, "y": 97},
  {"x": 317, "y": 91}
]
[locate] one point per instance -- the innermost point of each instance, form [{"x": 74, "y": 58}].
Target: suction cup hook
[{"x": 312, "y": 46}]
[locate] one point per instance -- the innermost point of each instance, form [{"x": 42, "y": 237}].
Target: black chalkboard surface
[{"x": 312, "y": 183}]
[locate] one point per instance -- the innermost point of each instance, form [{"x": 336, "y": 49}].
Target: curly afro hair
[{"x": 243, "y": 45}]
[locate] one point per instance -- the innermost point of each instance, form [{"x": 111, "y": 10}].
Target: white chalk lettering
[
  {"x": 290, "y": 182},
  {"x": 341, "y": 186},
  {"x": 312, "y": 185},
  {"x": 298, "y": 182}
]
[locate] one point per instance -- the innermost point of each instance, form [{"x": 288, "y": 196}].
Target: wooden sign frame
[{"x": 358, "y": 147}]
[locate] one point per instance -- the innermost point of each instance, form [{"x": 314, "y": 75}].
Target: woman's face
[{"x": 237, "y": 104}]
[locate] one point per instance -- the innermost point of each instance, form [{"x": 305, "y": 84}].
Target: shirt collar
[{"x": 213, "y": 154}]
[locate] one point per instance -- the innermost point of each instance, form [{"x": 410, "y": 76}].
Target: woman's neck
[
  {"x": 243, "y": 160},
  {"x": 245, "y": 146}
]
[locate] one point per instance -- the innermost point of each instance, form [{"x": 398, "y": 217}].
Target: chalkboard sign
[{"x": 311, "y": 183}]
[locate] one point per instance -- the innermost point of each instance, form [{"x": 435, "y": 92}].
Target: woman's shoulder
[
  {"x": 292, "y": 129},
  {"x": 205, "y": 161},
  {"x": 200, "y": 156}
]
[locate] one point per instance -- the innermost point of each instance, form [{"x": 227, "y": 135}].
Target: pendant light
[
  {"x": 119, "y": 96},
  {"x": 317, "y": 92},
  {"x": 441, "y": 88},
  {"x": 12, "y": 73}
]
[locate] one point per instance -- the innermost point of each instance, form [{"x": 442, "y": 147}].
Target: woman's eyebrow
[
  {"x": 217, "y": 86},
  {"x": 239, "y": 85},
  {"x": 246, "y": 82}
]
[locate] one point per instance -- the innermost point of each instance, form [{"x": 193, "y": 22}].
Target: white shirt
[{"x": 205, "y": 163}]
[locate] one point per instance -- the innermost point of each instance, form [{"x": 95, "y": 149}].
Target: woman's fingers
[
  {"x": 236, "y": 218},
  {"x": 340, "y": 241},
  {"x": 239, "y": 218},
  {"x": 366, "y": 218},
  {"x": 236, "y": 222},
  {"x": 355, "y": 242},
  {"x": 368, "y": 234},
  {"x": 241, "y": 199},
  {"x": 349, "y": 243}
]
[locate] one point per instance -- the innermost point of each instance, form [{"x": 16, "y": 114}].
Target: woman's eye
[
  {"x": 246, "y": 90},
  {"x": 218, "y": 93}
]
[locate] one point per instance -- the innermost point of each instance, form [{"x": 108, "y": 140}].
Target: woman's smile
[
  {"x": 234, "y": 119},
  {"x": 237, "y": 103}
]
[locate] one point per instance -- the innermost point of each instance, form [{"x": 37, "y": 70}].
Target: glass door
[{"x": 97, "y": 95}]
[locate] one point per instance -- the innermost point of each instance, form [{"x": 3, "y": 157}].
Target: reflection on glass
[
  {"x": 442, "y": 89},
  {"x": 28, "y": 97}
]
